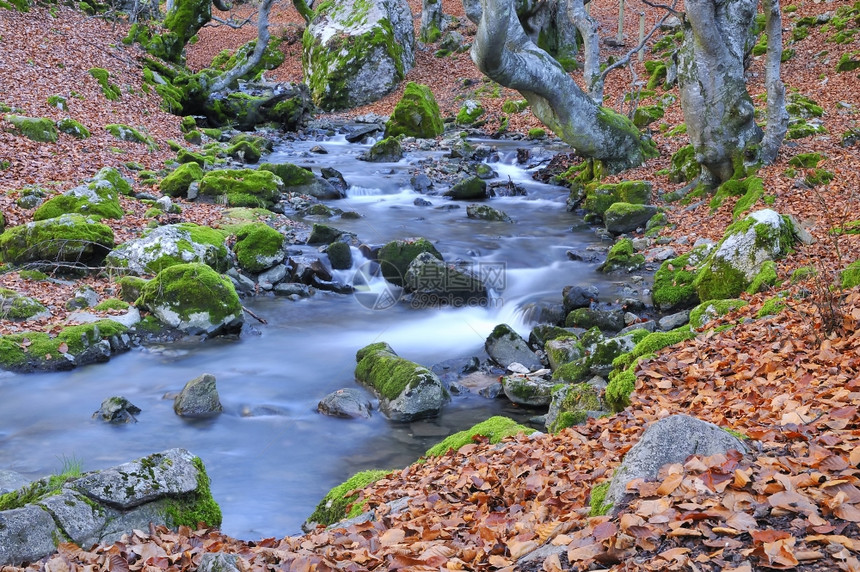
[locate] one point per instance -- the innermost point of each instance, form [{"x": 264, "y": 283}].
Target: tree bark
[
  {"x": 590, "y": 48},
  {"x": 777, "y": 116},
  {"x": 504, "y": 53},
  {"x": 717, "y": 108},
  {"x": 226, "y": 79}
]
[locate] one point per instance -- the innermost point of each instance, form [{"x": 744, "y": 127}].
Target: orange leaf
[{"x": 670, "y": 484}]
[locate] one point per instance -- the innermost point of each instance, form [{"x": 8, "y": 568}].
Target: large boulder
[
  {"x": 199, "y": 398},
  {"x": 416, "y": 114},
  {"x": 600, "y": 196},
  {"x": 195, "y": 299},
  {"x": 621, "y": 218},
  {"x": 406, "y": 390},
  {"x": 176, "y": 183},
  {"x": 355, "y": 52},
  {"x": 97, "y": 198},
  {"x": 433, "y": 282},
  {"x": 70, "y": 239},
  {"x": 168, "y": 245},
  {"x": 285, "y": 105},
  {"x": 670, "y": 440},
  {"x": 169, "y": 488},
  {"x": 301, "y": 181},
  {"x": 505, "y": 346},
  {"x": 396, "y": 256},
  {"x": 242, "y": 187},
  {"x": 258, "y": 247},
  {"x": 743, "y": 254}
]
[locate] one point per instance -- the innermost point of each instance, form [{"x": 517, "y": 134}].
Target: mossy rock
[
  {"x": 621, "y": 217},
  {"x": 19, "y": 308},
  {"x": 493, "y": 429},
  {"x": 712, "y": 309},
  {"x": 851, "y": 275},
  {"x": 258, "y": 247},
  {"x": 469, "y": 189},
  {"x": 339, "y": 503},
  {"x": 407, "y": 391},
  {"x": 647, "y": 114},
  {"x": 622, "y": 257},
  {"x": 570, "y": 405},
  {"x": 684, "y": 167},
  {"x": 176, "y": 183},
  {"x": 599, "y": 197},
  {"x": 72, "y": 346},
  {"x": 395, "y": 257},
  {"x": 168, "y": 245},
  {"x": 99, "y": 198},
  {"x": 194, "y": 299},
  {"x": 67, "y": 241},
  {"x": 339, "y": 255},
  {"x": 71, "y": 127},
  {"x": 110, "y": 91},
  {"x": 387, "y": 150},
  {"x": 673, "y": 282},
  {"x": 130, "y": 134},
  {"x": 416, "y": 114},
  {"x": 242, "y": 187},
  {"x": 38, "y": 129},
  {"x": 469, "y": 113}
]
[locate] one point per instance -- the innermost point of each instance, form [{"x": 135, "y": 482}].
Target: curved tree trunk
[
  {"x": 503, "y": 52},
  {"x": 590, "y": 48},
  {"x": 717, "y": 108},
  {"x": 226, "y": 79}
]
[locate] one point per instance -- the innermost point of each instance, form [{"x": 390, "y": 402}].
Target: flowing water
[{"x": 269, "y": 469}]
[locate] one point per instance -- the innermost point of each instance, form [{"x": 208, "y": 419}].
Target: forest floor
[{"x": 790, "y": 381}]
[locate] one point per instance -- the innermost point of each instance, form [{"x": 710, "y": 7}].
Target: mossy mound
[
  {"x": 176, "y": 183},
  {"x": 395, "y": 257},
  {"x": 469, "y": 113},
  {"x": 67, "y": 241},
  {"x": 242, "y": 187},
  {"x": 99, "y": 198},
  {"x": 110, "y": 90},
  {"x": 130, "y": 134},
  {"x": 416, "y": 114},
  {"x": 168, "y": 245},
  {"x": 684, "y": 167},
  {"x": 571, "y": 404},
  {"x": 258, "y": 247},
  {"x": 74, "y": 345},
  {"x": 712, "y": 309},
  {"x": 673, "y": 282},
  {"x": 193, "y": 298},
  {"x": 599, "y": 197},
  {"x": 622, "y": 257},
  {"x": 74, "y": 128},
  {"x": 39, "y": 129},
  {"x": 17, "y": 307},
  {"x": 493, "y": 429},
  {"x": 339, "y": 503}
]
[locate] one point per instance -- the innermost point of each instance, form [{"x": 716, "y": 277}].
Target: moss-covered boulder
[
  {"x": 529, "y": 390},
  {"x": 431, "y": 283},
  {"x": 67, "y": 241},
  {"x": 98, "y": 198},
  {"x": 130, "y": 134},
  {"x": 673, "y": 282},
  {"x": 622, "y": 257},
  {"x": 38, "y": 129},
  {"x": 712, "y": 309},
  {"x": 488, "y": 213},
  {"x": 74, "y": 128},
  {"x": 258, "y": 247},
  {"x": 387, "y": 150},
  {"x": 242, "y": 187},
  {"x": 300, "y": 181},
  {"x": 176, "y": 183},
  {"x": 340, "y": 502},
  {"x": 416, "y": 114},
  {"x": 621, "y": 218},
  {"x": 355, "y": 52},
  {"x": 339, "y": 255},
  {"x": 470, "y": 112},
  {"x": 742, "y": 255},
  {"x": 468, "y": 189},
  {"x": 562, "y": 350},
  {"x": 493, "y": 430},
  {"x": 406, "y": 390},
  {"x": 20, "y": 308},
  {"x": 195, "y": 299},
  {"x": 396, "y": 256},
  {"x": 599, "y": 197},
  {"x": 505, "y": 347},
  {"x": 168, "y": 245},
  {"x": 571, "y": 405}
]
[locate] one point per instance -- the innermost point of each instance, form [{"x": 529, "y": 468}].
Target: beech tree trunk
[
  {"x": 717, "y": 107},
  {"x": 227, "y": 79},
  {"x": 504, "y": 53}
]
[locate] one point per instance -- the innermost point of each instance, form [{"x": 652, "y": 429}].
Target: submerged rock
[
  {"x": 117, "y": 410},
  {"x": 347, "y": 402}
]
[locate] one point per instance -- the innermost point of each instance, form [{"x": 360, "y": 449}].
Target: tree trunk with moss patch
[
  {"x": 719, "y": 113},
  {"x": 503, "y": 52}
]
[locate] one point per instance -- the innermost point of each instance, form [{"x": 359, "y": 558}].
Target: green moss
[
  {"x": 469, "y": 113},
  {"x": 176, "y": 183},
  {"x": 573, "y": 408},
  {"x": 707, "y": 311},
  {"x": 71, "y": 127},
  {"x": 396, "y": 256},
  {"x": 242, "y": 187},
  {"x": 621, "y": 385},
  {"x": 34, "y": 275},
  {"x": 653, "y": 343},
  {"x": 772, "y": 306},
  {"x": 198, "y": 507},
  {"x": 291, "y": 175},
  {"x": 257, "y": 244},
  {"x": 801, "y": 129},
  {"x": 68, "y": 238},
  {"x": 537, "y": 133},
  {"x": 386, "y": 372},
  {"x": 685, "y": 167},
  {"x": 130, "y": 134},
  {"x": 851, "y": 275},
  {"x": 673, "y": 281},
  {"x": 656, "y": 74},
  {"x": 806, "y": 160},
  {"x": 848, "y": 62},
  {"x": 39, "y": 490},
  {"x": 818, "y": 177},
  {"x": 110, "y": 91},
  {"x": 38, "y": 129},
  {"x": 15, "y": 306},
  {"x": 574, "y": 371},
  {"x": 212, "y": 133},
  {"x": 416, "y": 114},
  {"x": 567, "y": 419},
  {"x": 339, "y": 502},
  {"x": 189, "y": 288},
  {"x": 646, "y": 115},
  {"x": 515, "y": 105},
  {"x": 598, "y": 495},
  {"x": 79, "y": 338},
  {"x": 621, "y": 257},
  {"x": 753, "y": 188},
  {"x": 112, "y": 304},
  {"x": 765, "y": 278},
  {"x": 494, "y": 429},
  {"x": 599, "y": 197}
]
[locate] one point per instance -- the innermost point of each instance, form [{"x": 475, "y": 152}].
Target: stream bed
[{"x": 270, "y": 455}]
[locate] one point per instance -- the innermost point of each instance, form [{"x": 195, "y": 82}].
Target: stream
[{"x": 270, "y": 455}]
